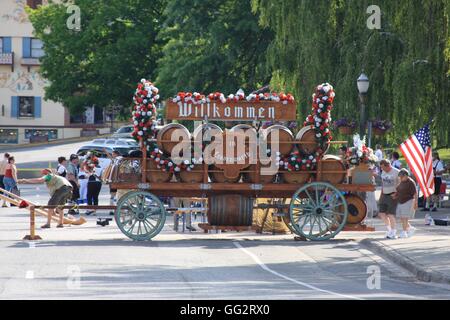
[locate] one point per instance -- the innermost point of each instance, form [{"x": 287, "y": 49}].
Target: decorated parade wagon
[{"x": 232, "y": 168}]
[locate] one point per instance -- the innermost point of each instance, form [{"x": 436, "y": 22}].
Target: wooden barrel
[
  {"x": 220, "y": 177},
  {"x": 296, "y": 177},
  {"x": 158, "y": 175},
  {"x": 193, "y": 176},
  {"x": 165, "y": 134},
  {"x": 333, "y": 163},
  {"x": 357, "y": 209},
  {"x": 230, "y": 210},
  {"x": 285, "y": 135},
  {"x": 308, "y": 134},
  {"x": 249, "y": 177},
  {"x": 202, "y": 130}
]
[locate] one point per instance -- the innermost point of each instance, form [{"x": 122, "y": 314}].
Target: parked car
[
  {"x": 115, "y": 142},
  {"x": 123, "y": 132},
  {"x": 99, "y": 152}
]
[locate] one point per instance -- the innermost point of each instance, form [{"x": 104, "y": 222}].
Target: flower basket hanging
[
  {"x": 345, "y": 126},
  {"x": 380, "y": 127}
]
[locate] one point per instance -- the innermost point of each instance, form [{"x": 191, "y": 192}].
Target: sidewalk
[{"x": 426, "y": 255}]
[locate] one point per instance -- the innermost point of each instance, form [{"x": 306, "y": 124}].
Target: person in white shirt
[
  {"x": 387, "y": 204},
  {"x": 379, "y": 153},
  {"x": 3, "y": 165},
  {"x": 438, "y": 170}
]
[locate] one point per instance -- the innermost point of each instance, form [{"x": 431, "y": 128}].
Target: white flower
[
  {"x": 141, "y": 133},
  {"x": 136, "y": 123},
  {"x": 149, "y": 113},
  {"x": 177, "y": 169}
]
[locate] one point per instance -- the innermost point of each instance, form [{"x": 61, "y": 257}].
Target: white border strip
[{"x": 263, "y": 266}]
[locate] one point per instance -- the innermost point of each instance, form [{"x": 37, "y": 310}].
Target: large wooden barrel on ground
[
  {"x": 357, "y": 209},
  {"x": 157, "y": 175},
  {"x": 219, "y": 176},
  {"x": 164, "y": 137},
  {"x": 193, "y": 176},
  {"x": 296, "y": 177},
  {"x": 249, "y": 177},
  {"x": 284, "y": 136},
  {"x": 310, "y": 145},
  {"x": 230, "y": 210},
  {"x": 337, "y": 172}
]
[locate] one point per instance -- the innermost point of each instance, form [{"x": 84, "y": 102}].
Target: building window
[
  {"x": 37, "y": 50},
  {"x": 34, "y": 3},
  {"x": 51, "y": 134},
  {"x": 9, "y": 136},
  {"x": 26, "y": 107}
]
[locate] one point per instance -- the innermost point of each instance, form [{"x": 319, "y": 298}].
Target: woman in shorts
[{"x": 406, "y": 196}]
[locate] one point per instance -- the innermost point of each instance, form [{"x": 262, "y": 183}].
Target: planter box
[
  {"x": 346, "y": 130},
  {"x": 378, "y": 132}
]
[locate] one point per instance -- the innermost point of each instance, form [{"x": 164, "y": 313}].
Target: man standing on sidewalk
[{"x": 387, "y": 203}]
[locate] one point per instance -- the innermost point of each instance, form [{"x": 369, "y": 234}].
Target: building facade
[{"x": 24, "y": 114}]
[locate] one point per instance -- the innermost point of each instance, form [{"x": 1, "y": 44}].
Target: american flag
[{"x": 418, "y": 154}]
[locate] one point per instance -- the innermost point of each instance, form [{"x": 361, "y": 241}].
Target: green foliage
[
  {"x": 407, "y": 60},
  {"x": 214, "y": 45},
  {"x": 101, "y": 64}
]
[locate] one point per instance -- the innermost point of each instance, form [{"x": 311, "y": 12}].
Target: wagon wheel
[
  {"x": 318, "y": 211},
  {"x": 140, "y": 215}
]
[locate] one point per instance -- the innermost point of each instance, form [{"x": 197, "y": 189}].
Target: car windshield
[
  {"x": 111, "y": 141},
  {"x": 125, "y": 130}
]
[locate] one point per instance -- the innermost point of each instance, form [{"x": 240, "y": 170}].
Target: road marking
[
  {"x": 29, "y": 274},
  {"x": 32, "y": 245},
  {"x": 263, "y": 266}
]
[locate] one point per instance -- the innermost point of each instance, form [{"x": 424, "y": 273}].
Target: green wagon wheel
[
  {"x": 318, "y": 211},
  {"x": 140, "y": 215}
]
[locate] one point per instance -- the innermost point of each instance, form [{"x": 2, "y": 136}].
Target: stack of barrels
[{"x": 236, "y": 210}]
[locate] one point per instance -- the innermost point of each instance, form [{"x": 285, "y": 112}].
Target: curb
[
  {"x": 51, "y": 143},
  {"x": 421, "y": 272}
]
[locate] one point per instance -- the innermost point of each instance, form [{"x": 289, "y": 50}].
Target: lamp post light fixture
[{"x": 363, "y": 88}]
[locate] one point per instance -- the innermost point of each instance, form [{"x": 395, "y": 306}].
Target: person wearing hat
[
  {"x": 60, "y": 192},
  {"x": 406, "y": 195}
]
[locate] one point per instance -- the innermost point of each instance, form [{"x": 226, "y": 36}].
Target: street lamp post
[{"x": 363, "y": 88}]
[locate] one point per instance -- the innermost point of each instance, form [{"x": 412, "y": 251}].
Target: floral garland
[
  {"x": 360, "y": 153},
  {"x": 198, "y": 98},
  {"x": 319, "y": 120},
  {"x": 144, "y": 113}
]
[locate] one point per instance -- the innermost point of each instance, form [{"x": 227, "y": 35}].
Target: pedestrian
[
  {"x": 396, "y": 160},
  {"x": 406, "y": 195},
  {"x": 116, "y": 158},
  {"x": 60, "y": 190},
  {"x": 3, "y": 164},
  {"x": 379, "y": 152},
  {"x": 10, "y": 178},
  {"x": 438, "y": 170},
  {"x": 387, "y": 204},
  {"x": 72, "y": 176},
  {"x": 94, "y": 185},
  {"x": 83, "y": 182},
  {"x": 62, "y": 167}
]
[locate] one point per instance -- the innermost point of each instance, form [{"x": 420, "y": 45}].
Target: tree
[
  {"x": 101, "y": 64},
  {"x": 327, "y": 40},
  {"x": 214, "y": 45}
]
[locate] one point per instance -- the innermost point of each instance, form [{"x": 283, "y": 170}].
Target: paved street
[
  {"x": 95, "y": 262},
  {"x": 90, "y": 262}
]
